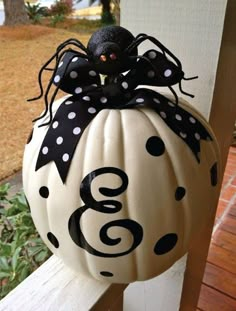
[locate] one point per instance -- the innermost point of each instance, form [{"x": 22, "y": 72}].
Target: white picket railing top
[{"x": 52, "y": 287}]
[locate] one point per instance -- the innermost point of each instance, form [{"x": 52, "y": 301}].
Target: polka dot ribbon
[{"x": 77, "y": 111}]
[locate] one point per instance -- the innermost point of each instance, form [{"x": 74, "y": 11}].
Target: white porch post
[{"x": 192, "y": 30}]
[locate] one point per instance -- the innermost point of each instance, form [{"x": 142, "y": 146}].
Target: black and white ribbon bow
[{"x": 77, "y": 76}]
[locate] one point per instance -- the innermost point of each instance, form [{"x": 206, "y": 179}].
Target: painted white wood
[
  {"x": 192, "y": 30},
  {"x": 158, "y": 293},
  {"x": 54, "y": 287}
]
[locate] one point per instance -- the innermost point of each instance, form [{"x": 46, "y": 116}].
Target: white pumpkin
[{"x": 165, "y": 196}]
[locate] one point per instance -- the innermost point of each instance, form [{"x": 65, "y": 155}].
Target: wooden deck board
[
  {"x": 232, "y": 211},
  {"x": 225, "y": 240},
  {"x": 218, "y": 291},
  {"x": 229, "y": 224},
  {"x": 220, "y": 279},
  {"x": 222, "y": 258},
  {"x": 213, "y": 300}
]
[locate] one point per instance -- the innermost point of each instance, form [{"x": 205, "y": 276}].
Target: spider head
[
  {"x": 107, "y": 48},
  {"x": 109, "y": 59}
]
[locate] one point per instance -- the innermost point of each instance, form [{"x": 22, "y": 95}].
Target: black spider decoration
[{"x": 111, "y": 51}]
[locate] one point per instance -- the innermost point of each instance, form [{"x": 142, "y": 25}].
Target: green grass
[{"x": 80, "y": 25}]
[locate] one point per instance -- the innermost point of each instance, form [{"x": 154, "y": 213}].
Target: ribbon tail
[{"x": 64, "y": 133}]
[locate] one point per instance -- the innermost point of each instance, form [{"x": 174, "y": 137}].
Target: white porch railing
[{"x": 54, "y": 287}]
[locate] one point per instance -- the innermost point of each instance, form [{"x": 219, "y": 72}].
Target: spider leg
[
  {"x": 175, "y": 95},
  {"x": 75, "y": 42},
  {"x": 146, "y": 59},
  {"x": 49, "y": 69},
  {"x": 181, "y": 90},
  {"x": 49, "y": 87},
  {"x": 55, "y": 93},
  {"x": 40, "y": 77},
  {"x": 191, "y": 78},
  {"x": 140, "y": 35},
  {"x": 44, "y": 67},
  {"x": 49, "y": 108},
  {"x": 144, "y": 35}
]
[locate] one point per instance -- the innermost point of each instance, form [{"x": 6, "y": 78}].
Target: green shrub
[
  {"x": 61, "y": 8},
  {"x": 55, "y": 19},
  {"x": 36, "y": 12},
  {"x": 21, "y": 249}
]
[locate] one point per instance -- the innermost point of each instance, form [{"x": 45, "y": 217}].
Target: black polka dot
[
  {"x": 44, "y": 192},
  {"x": 106, "y": 273},
  {"x": 179, "y": 193},
  {"x": 53, "y": 239},
  {"x": 155, "y": 146},
  {"x": 30, "y": 137},
  {"x": 214, "y": 174},
  {"x": 166, "y": 243}
]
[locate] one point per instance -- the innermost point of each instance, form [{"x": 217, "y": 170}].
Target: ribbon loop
[{"x": 74, "y": 73}]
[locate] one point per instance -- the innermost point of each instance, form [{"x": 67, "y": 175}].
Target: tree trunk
[
  {"x": 116, "y": 10},
  {"x": 106, "y": 6},
  {"x": 15, "y": 12},
  {"x": 107, "y": 17}
]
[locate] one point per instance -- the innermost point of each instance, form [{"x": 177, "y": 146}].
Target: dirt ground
[{"x": 23, "y": 50}]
